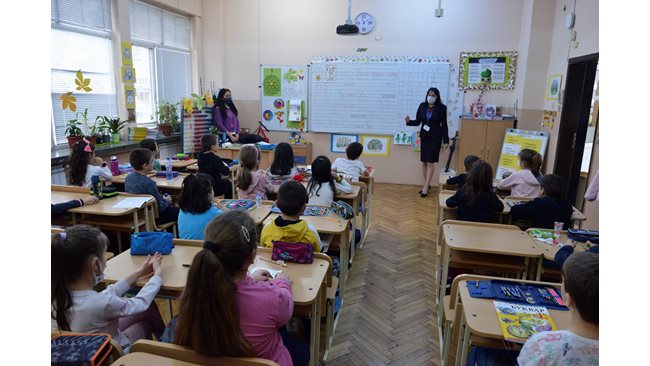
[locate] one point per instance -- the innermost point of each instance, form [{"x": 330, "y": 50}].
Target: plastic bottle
[
  {"x": 115, "y": 166},
  {"x": 258, "y": 200},
  {"x": 557, "y": 227},
  {"x": 168, "y": 168}
]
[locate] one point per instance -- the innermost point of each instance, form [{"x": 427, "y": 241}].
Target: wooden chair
[
  {"x": 189, "y": 243},
  {"x": 161, "y": 227},
  {"x": 181, "y": 353},
  {"x": 116, "y": 352},
  {"x": 331, "y": 285}
]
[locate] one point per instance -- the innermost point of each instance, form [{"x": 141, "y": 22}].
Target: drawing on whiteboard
[
  {"x": 267, "y": 115},
  {"x": 278, "y": 103},
  {"x": 292, "y": 75},
  {"x": 272, "y": 86},
  {"x": 280, "y": 116},
  {"x": 331, "y": 73}
]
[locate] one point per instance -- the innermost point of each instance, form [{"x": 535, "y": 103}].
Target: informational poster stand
[{"x": 514, "y": 141}]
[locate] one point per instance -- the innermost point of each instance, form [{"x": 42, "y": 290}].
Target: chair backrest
[
  {"x": 181, "y": 353},
  {"x": 76, "y": 189},
  {"x": 518, "y": 198},
  {"x": 189, "y": 243}
]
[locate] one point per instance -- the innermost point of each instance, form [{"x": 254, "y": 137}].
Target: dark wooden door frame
[{"x": 576, "y": 106}]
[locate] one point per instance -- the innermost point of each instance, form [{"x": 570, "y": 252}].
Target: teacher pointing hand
[{"x": 432, "y": 117}]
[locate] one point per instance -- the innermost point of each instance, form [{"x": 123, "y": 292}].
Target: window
[
  {"x": 161, "y": 57},
  {"x": 79, "y": 26}
]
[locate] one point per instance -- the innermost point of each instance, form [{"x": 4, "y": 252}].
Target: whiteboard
[
  {"x": 280, "y": 86},
  {"x": 513, "y": 142},
  {"x": 372, "y": 95}
]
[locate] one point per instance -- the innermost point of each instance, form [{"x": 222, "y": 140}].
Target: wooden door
[
  {"x": 471, "y": 140},
  {"x": 496, "y": 131}
]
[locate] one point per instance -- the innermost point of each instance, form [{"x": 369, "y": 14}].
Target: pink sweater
[
  {"x": 259, "y": 184},
  {"x": 263, "y": 308},
  {"x": 521, "y": 184}
]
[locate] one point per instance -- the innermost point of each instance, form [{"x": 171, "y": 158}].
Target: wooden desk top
[
  {"x": 258, "y": 214},
  {"x": 161, "y": 182},
  {"x": 576, "y": 215},
  {"x": 178, "y": 164},
  {"x": 549, "y": 250},
  {"x": 481, "y": 316},
  {"x": 103, "y": 207},
  {"x": 443, "y": 178},
  {"x": 350, "y": 196},
  {"x": 146, "y": 359},
  {"x": 307, "y": 278},
  {"x": 174, "y": 274},
  {"x": 239, "y": 146},
  {"x": 490, "y": 240},
  {"x": 195, "y": 168},
  {"x": 330, "y": 224}
]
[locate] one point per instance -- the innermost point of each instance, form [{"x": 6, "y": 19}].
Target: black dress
[{"x": 437, "y": 134}]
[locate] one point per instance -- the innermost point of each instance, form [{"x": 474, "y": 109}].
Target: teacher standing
[{"x": 432, "y": 117}]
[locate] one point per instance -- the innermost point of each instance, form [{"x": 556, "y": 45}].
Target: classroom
[{"x": 325, "y": 182}]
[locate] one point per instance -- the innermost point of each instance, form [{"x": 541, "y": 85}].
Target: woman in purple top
[{"x": 225, "y": 119}]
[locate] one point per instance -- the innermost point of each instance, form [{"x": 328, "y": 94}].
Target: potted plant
[
  {"x": 114, "y": 127},
  {"x": 167, "y": 114},
  {"x": 103, "y": 129},
  {"x": 73, "y": 132},
  {"x": 91, "y": 131}
]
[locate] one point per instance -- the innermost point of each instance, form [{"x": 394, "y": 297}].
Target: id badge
[{"x": 426, "y": 128}]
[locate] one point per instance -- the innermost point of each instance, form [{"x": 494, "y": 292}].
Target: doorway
[{"x": 575, "y": 121}]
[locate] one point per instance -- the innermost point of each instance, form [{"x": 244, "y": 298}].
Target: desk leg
[
  {"x": 74, "y": 219},
  {"x": 135, "y": 221},
  {"x": 463, "y": 343},
  {"x": 355, "y": 208},
  {"x": 446, "y": 341},
  {"x": 146, "y": 218},
  {"x": 314, "y": 339},
  {"x": 344, "y": 246},
  {"x": 524, "y": 275},
  {"x": 442, "y": 283},
  {"x": 540, "y": 263},
  {"x": 364, "y": 217}
]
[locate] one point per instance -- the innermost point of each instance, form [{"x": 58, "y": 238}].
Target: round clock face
[{"x": 365, "y": 22}]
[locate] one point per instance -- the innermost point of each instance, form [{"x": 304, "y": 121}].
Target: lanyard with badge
[{"x": 425, "y": 125}]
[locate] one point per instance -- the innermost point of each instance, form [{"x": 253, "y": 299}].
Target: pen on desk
[
  {"x": 329, "y": 219},
  {"x": 186, "y": 265}
]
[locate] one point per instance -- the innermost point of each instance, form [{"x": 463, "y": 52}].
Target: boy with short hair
[
  {"x": 139, "y": 183},
  {"x": 288, "y": 227},
  {"x": 548, "y": 208},
  {"x": 460, "y": 178},
  {"x": 153, "y": 146},
  {"x": 211, "y": 164},
  {"x": 578, "y": 344},
  {"x": 351, "y": 166}
]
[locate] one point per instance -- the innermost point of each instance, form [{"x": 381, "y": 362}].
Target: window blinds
[
  {"x": 160, "y": 27},
  {"x": 174, "y": 75},
  {"x": 93, "y": 14}
]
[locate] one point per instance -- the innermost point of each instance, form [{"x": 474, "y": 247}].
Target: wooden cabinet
[
  {"x": 302, "y": 153},
  {"x": 483, "y": 138}
]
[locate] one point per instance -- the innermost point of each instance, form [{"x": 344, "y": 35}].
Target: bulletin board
[
  {"x": 513, "y": 142},
  {"x": 283, "y": 97}
]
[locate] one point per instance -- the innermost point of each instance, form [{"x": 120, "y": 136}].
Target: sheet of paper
[
  {"x": 294, "y": 110},
  {"x": 272, "y": 272},
  {"x": 131, "y": 202}
]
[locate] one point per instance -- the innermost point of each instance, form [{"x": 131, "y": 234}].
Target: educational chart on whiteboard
[
  {"x": 372, "y": 94},
  {"x": 514, "y": 141},
  {"x": 283, "y": 96}
]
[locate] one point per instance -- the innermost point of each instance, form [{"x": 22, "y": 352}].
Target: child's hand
[
  {"x": 156, "y": 262},
  {"x": 220, "y": 205},
  {"x": 97, "y": 161},
  {"x": 146, "y": 267},
  {"x": 261, "y": 275},
  {"x": 284, "y": 276},
  {"x": 90, "y": 200},
  {"x": 168, "y": 198}
]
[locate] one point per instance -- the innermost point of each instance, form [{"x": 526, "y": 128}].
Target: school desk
[
  {"x": 173, "y": 186},
  {"x": 232, "y": 152},
  {"x": 307, "y": 290},
  {"x": 330, "y": 224},
  {"x": 494, "y": 242},
  {"x": 479, "y": 318},
  {"x": 180, "y": 164},
  {"x": 576, "y": 215},
  {"x": 147, "y": 359},
  {"x": 258, "y": 214},
  {"x": 367, "y": 205},
  {"x": 357, "y": 196},
  {"x": 442, "y": 181}
]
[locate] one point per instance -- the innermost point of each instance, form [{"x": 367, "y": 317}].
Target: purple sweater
[{"x": 230, "y": 124}]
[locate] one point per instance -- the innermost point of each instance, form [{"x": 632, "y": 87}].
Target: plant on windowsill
[
  {"x": 114, "y": 127},
  {"x": 73, "y": 132},
  {"x": 68, "y": 101},
  {"x": 167, "y": 115}
]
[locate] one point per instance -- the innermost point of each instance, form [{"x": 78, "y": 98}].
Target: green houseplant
[
  {"x": 167, "y": 114},
  {"x": 73, "y": 132},
  {"x": 114, "y": 127}
]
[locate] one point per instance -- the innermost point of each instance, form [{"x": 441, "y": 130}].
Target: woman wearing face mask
[
  {"x": 78, "y": 265},
  {"x": 225, "y": 119},
  {"x": 432, "y": 116}
]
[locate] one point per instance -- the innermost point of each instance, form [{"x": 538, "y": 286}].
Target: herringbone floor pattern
[{"x": 388, "y": 317}]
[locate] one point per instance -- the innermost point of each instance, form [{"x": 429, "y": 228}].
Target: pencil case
[
  {"x": 163, "y": 173},
  {"x": 582, "y": 235},
  {"x": 293, "y": 252},
  {"x": 80, "y": 349}
]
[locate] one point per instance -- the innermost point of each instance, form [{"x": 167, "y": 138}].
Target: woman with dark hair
[
  {"x": 432, "y": 117},
  {"x": 225, "y": 116}
]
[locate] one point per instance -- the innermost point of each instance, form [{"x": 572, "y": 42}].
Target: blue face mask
[{"x": 227, "y": 100}]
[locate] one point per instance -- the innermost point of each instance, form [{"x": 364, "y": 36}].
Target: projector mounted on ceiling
[{"x": 349, "y": 27}]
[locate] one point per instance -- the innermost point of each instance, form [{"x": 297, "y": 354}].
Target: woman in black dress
[{"x": 432, "y": 116}]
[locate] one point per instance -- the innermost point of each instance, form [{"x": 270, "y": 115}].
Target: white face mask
[
  {"x": 98, "y": 277},
  {"x": 431, "y": 99}
]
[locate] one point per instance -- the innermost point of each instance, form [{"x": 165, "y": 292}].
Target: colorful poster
[
  {"x": 129, "y": 94},
  {"x": 128, "y": 74},
  {"x": 416, "y": 142},
  {"x": 554, "y": 85},
  {"x": 375, "y": 145},
  {"x": 272, "y": 87},
  {"x": 338, "y": 143},
  {"x": 127, "y": 54},
  {"x": 534, "y": 144},
  {"x": 487, "y": 70},
  {"x": 403, "y": 138},
  {"x": 520, "y": 322},
  {"x": 514, "y": 141}
]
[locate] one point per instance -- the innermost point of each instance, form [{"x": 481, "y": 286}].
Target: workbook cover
[
  {"x": 235, "y": 204},
  {"x": 519, "y": 322}
]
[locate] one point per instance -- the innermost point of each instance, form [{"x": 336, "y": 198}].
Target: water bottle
[
  {"x": 168, "y": 168},
  {"x": 258, "y": 200},
  {"x": 115, "y": 166}
]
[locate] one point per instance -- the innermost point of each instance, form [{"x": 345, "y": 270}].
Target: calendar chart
[{"x": 372, "y": 94}]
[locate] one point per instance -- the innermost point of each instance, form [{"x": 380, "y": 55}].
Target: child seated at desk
[
  {"x": 475, "y": 200},
  {"x": 139, "y": 183},
  {"x": 83, "y": 165},
  {"x": 461, "y": 178},
  {"x": 288, "y": 227},
  {"x": 196, "y": 206},
  {"x": 352, "y": 165},
  {"x": 153, "y": 146},
  {"x": 283, "y": 166},
  {"x": 78, "y": 265},
  {"x": 524, "y": 183},
  {"x": 578, "y": 344},
  {"x": 250, "y": 179},
  {"x": 211, "y": 164},
  {"x": 224, "y": 310},
  {"x": 63, "y": 207},
  {"x": 548, "y": 208},
  {"x": 324, "y": 185}
]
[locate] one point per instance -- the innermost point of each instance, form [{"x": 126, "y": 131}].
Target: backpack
[{"x": 343, "y": 209}]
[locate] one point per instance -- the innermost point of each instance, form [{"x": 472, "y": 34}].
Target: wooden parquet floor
[{"x": 388, "y": 316}]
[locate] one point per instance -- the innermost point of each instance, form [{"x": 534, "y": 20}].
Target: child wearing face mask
[{"x": 78, "y": 264}]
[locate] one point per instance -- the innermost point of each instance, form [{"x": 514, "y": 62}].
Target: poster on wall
[
  {"x": 376, "y": 145},
  {"x": 128, "y": 74},
  {"x": 338, "y": 143},
  {"x": 402, "y": 138},
  {"x": 127, "y": 54},
  {"x": 514, "y": 141},
  {"x": 553, "y": 89},
  {"x": 283, "y": 97},
  {"x": 129, "y": 94},
  {"x": 487, "y": 70}
]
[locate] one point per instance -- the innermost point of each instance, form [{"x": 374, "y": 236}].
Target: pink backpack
[{"x": 293, "y": 252}]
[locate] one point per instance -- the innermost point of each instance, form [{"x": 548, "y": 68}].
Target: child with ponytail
[
  {"x": 250, "y": 179},
  {"x": 83, "y": 165},
  {"x": 78, "y": 264},
  {"x": 224, "y": 311},
  {"x": 524, "y": 183}
]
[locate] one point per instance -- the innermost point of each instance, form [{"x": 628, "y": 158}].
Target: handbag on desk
[
  {"x": 293, "y": 252},
  {"x": 146, "y": 243}
]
